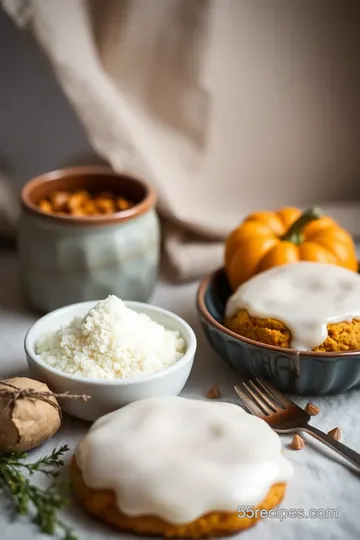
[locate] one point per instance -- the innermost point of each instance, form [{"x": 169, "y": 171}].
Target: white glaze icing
[
  {"x": 179, "y": 459},
  {"x": 305, "y": 296}
]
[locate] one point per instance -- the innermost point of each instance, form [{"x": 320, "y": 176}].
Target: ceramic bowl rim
[
  {"x": 138, "y": 209},
  {"x": 191, "y": 345},
  {"x": 202, "y": 308}
]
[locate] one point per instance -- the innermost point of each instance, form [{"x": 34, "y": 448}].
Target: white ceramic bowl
[{"x": 107, "y": 396}]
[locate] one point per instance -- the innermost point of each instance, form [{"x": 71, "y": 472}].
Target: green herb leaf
[{"x": 42, "y": 505}]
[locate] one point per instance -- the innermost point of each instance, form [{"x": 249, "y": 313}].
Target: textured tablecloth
[{"x": 321, "y": 481}]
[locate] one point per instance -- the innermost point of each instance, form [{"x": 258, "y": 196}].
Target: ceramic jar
[{"x": 66, "y": 259}]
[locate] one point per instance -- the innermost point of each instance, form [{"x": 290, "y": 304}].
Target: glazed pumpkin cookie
[
  {"x": 304, "y": 306},
  {"x": 179, "y": 468},
  {"x": 342, "y": 336},
  {"x": 102, "y": 504}
]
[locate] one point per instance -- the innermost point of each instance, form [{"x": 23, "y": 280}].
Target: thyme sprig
[{"x": 29, "y": 499}]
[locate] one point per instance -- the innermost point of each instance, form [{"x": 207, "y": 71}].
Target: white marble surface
[{"x": 322, "y": 481}]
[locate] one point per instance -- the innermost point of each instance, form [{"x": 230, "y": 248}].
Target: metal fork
[{"x": 284, "y": 416}]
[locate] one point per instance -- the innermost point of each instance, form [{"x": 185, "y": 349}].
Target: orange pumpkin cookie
[
  {"x": 268, "y": 239},
  {"x": 181, "y": 468},
  {"x": 101, "y": 503},
  {"x": 305, "y": 306},
  {"x": 343, "y": 336}
]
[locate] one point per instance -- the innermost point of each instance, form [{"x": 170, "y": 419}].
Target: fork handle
[{"x": 345, "y": 451}]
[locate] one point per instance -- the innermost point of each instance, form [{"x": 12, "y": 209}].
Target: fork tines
[{"x": 260, "y": 397}]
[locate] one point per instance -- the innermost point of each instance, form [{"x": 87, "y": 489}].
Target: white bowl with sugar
[{"x": 115, "y": 352}]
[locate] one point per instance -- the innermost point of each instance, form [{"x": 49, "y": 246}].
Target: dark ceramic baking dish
[{"x": 299, "y": 372}]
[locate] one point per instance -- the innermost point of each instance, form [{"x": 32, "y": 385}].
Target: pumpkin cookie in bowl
[
  {"x": 147, "y": 468},
  {"x": 304, "y": 306}
]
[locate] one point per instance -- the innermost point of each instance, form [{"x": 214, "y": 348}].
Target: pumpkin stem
[{"x": 293, "y": 234}]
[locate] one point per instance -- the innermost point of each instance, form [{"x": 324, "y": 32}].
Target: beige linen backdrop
[{"x": 226, "y": 106}]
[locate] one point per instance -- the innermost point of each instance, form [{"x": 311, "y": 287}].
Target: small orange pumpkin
[{"x": 266, "y": 239}]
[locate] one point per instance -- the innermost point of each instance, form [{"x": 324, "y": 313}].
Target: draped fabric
[{"x": 226, "y": 106}]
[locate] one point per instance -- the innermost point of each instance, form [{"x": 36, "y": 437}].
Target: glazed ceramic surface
[
  {"x": 108, "y": 395},
  {"x": 298, "y": 372},
  {"x": 67, "y": 260},
  {"x": 62, "y": 263}
]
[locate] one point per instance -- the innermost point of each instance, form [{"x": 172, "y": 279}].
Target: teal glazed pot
[
  {"x": 299, "y": 372},
  {"x": 68, "y": 259}
]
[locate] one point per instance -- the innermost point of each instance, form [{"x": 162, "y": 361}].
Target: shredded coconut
[{"x": 111, "y": 342}]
